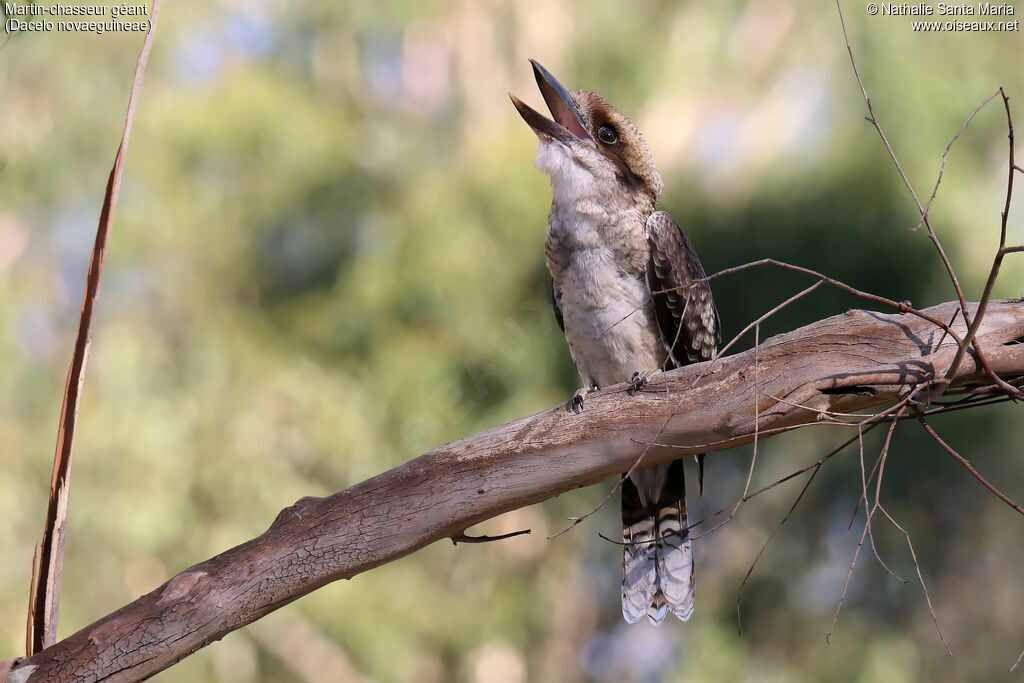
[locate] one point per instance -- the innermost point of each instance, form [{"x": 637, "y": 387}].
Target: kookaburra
[{"x": 629, "y": 293}]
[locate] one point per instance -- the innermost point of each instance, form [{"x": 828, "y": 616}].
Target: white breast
[{"x": 609, "y": 320}]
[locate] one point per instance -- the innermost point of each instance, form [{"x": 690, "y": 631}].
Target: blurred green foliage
[{"x": 328, "y": 259}]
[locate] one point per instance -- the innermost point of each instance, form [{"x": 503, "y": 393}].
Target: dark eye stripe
[{"x": 607, "y": 135}]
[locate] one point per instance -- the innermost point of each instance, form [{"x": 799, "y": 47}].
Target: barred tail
[{"x": 657, "y": 561}]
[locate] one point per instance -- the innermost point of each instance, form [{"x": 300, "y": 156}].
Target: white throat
[{"x": 570, "y": 180}]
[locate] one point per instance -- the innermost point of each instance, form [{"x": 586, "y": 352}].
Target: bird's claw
[
  {"x": 575, "y": 404},
  {"x": 639, "y": 380}
]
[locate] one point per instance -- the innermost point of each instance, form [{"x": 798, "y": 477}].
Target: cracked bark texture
[{"x": 845, "y": 363}]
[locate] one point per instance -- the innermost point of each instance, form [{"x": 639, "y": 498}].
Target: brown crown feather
[{"x": 630, "y": 154}]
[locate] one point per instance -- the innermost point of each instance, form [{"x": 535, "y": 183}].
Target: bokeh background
[{"x": 328, "y": 259}]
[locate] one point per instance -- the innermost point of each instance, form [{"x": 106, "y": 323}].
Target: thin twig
[
  {"x": 44, "y": 601},
  {"x": 846, "y": 585},
  {"x": 879, "y": 465},
  {"x": 856, "y": 507},
  {"x": 635, "y": 544},
  {"x": 885, "y": 455},
  {"x": 983, "y": 303},
  {"x": 900, "y": 306},
  {"x": 825, "y": 416},
  {"x": 920, "y": 577},
  {"x": 713, "y": 445},
  {"x": 878, "y": 506},
  {"x": 868, "y": 514},
  {"x": 873, "y": 120},
  {"x": 1021, "y": 656},
  {"x": 463, "y": 538},
  {"x": 750, "y": 570},
  {"x": 974, "y": 400},
  {"x": 898, "y": 408},
  {"x": 981, "y": 402},
  {"x": 945, "y": 155},
  {"x": 764, "y": 317},
  {"x": 963, "y": 461},
  {"x": 869, "y": 424},
  {"x": 757, "y": 434},
  {"x": 994, "y": 271},
  {"x": 578, "y": 519}
]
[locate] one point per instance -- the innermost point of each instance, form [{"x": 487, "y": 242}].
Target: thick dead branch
[{"x": 846, "y": 363}]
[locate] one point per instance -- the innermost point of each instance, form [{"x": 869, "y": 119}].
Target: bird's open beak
[{"x": 568, "y": 121}]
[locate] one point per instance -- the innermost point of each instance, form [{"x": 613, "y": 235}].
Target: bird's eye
[{"x": 607, "y": 135}]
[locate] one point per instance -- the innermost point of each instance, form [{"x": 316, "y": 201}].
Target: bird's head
[{"x": 589, "y": 141}]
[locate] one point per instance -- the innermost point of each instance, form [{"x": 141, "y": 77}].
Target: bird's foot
[
  {"x": 639, "y": 380},
  {"x": 575, "y": 404}
]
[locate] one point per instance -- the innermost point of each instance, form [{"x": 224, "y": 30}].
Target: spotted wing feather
[{"x": 683, "y": 304}]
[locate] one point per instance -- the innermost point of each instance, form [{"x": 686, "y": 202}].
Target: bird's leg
[
  {"x": 640, "y": 379},
  {"x": 575, "y": 403},
  {"x": 700, "y": 473}
]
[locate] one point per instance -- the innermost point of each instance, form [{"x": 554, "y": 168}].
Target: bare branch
[{"x": 846, "y": 363}]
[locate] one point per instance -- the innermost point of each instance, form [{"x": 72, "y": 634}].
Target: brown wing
[{"x": 684, "y": 306}]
